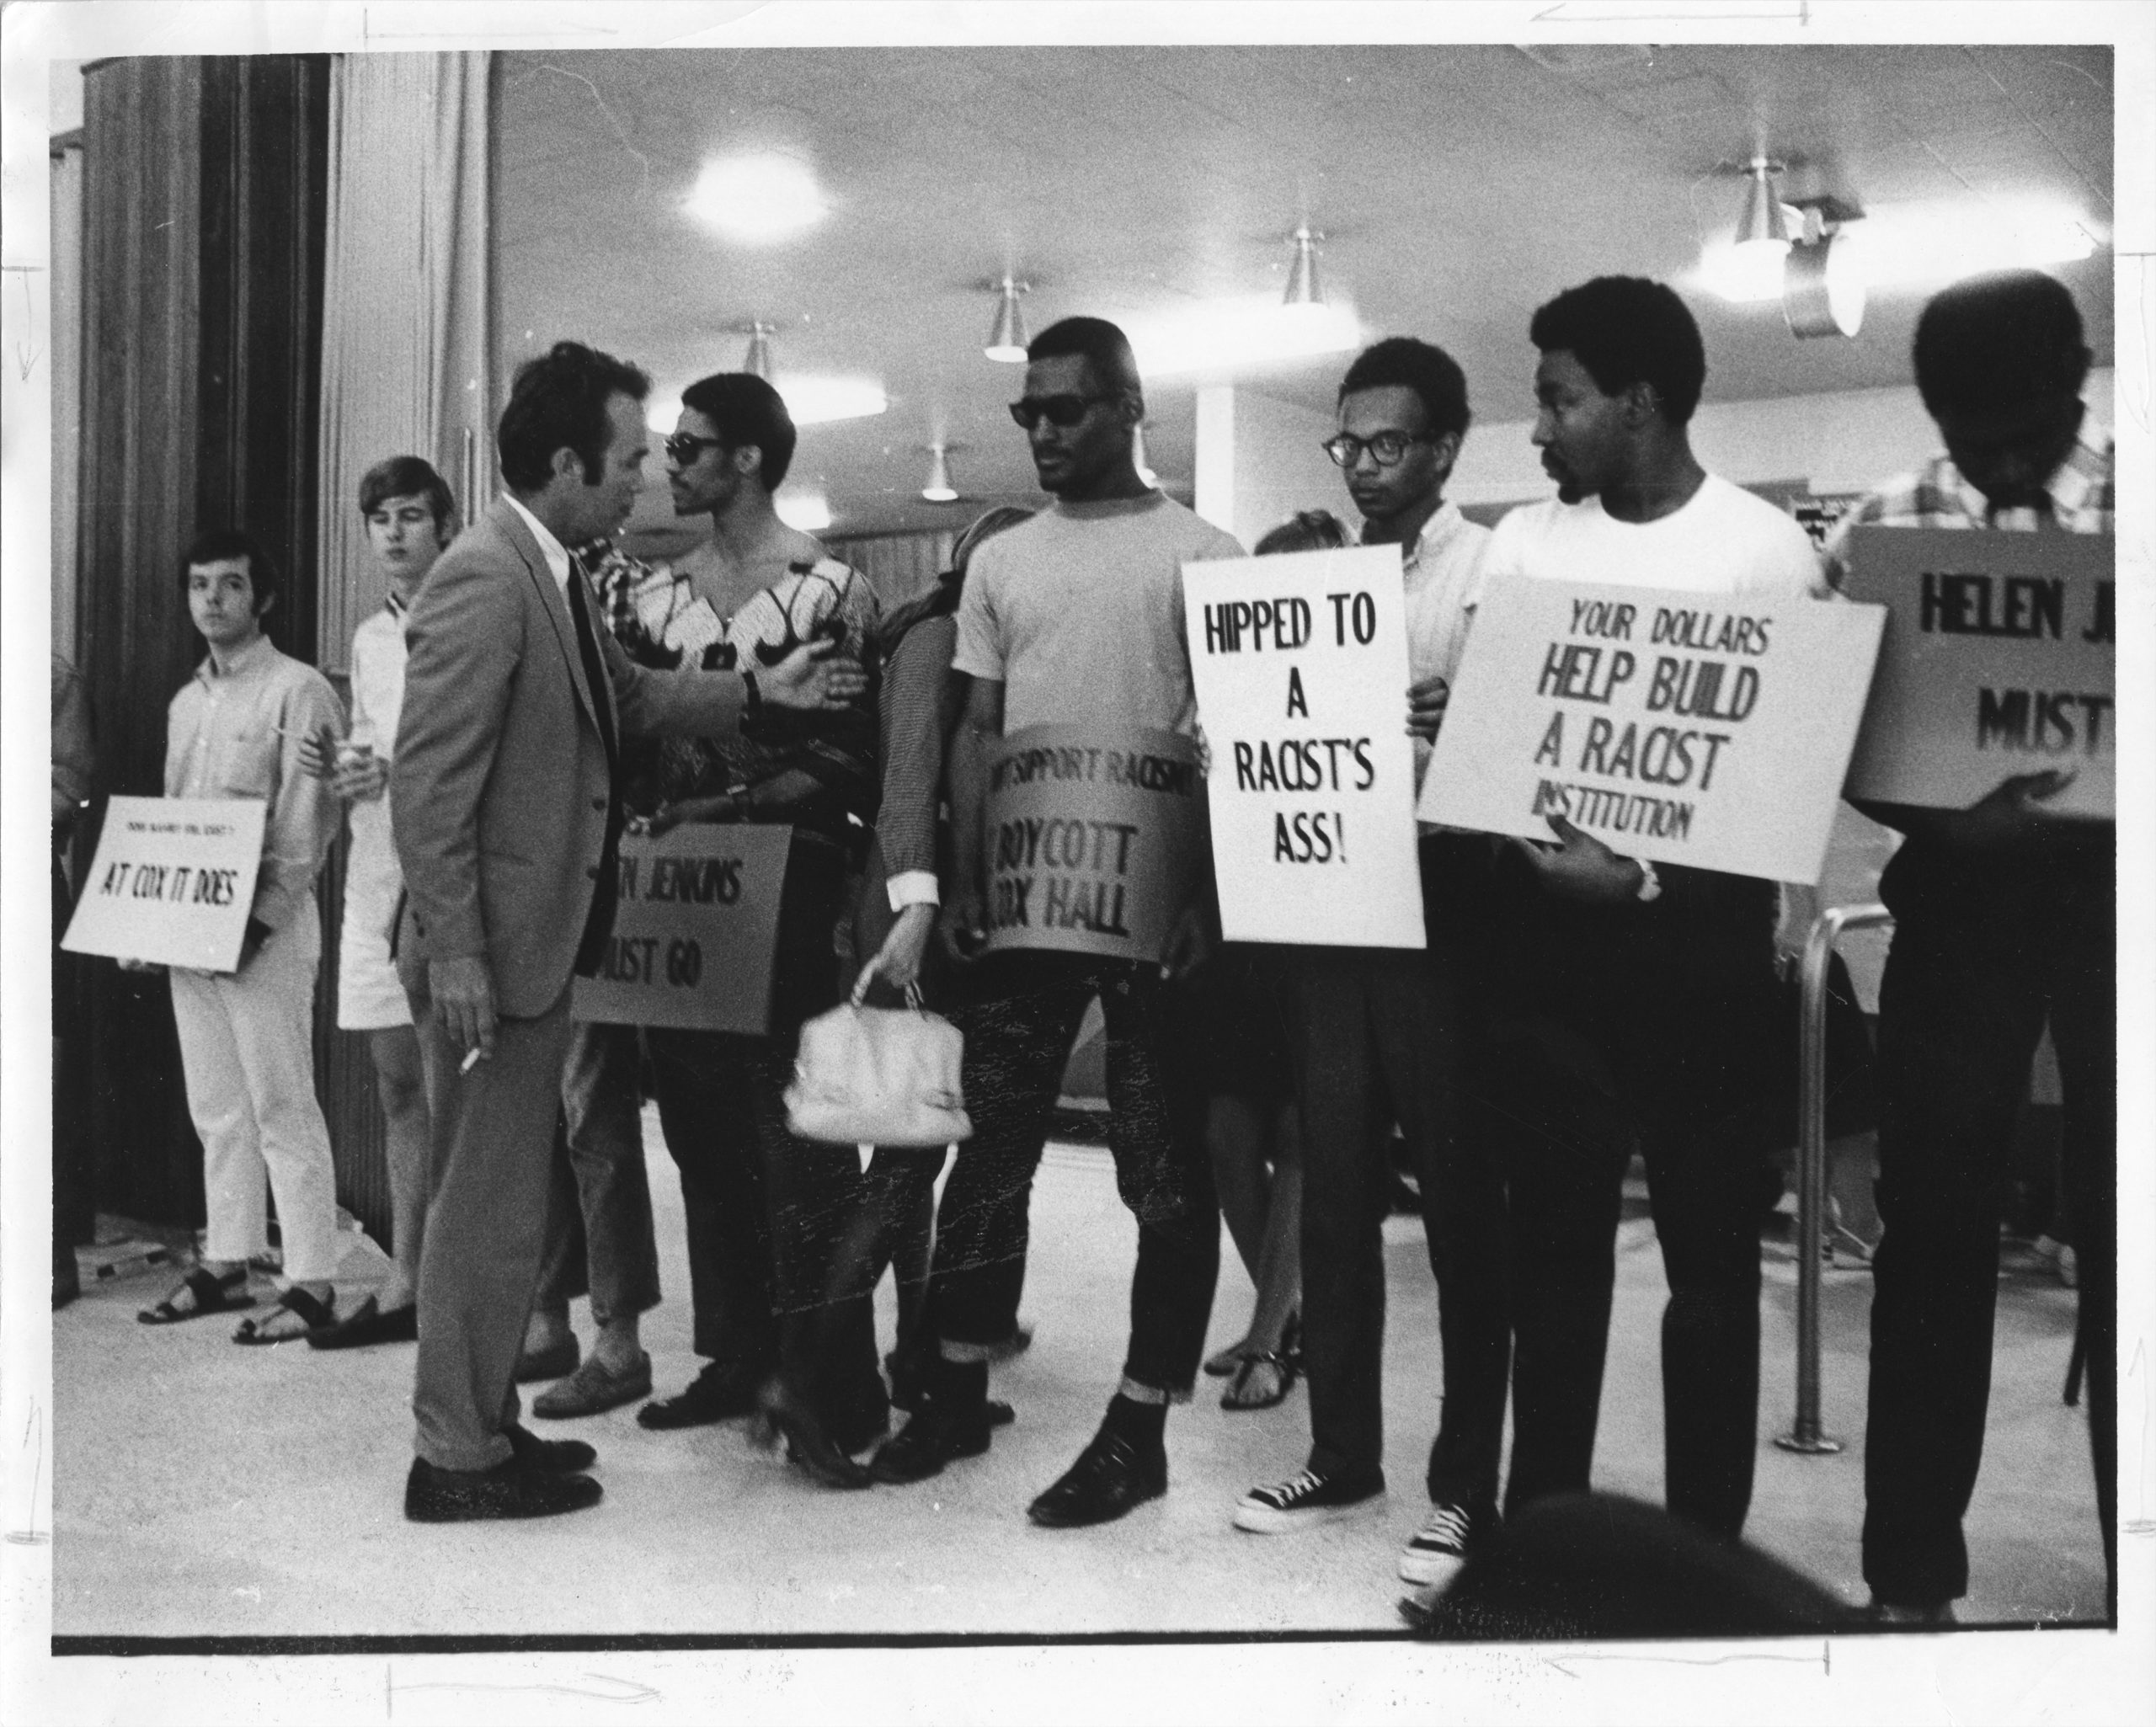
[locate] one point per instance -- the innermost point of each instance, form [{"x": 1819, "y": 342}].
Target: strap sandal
[
  {"x": 208, "y": 1293},
  {"x": 1224, "y": 1363},
  {"x": 315, "y": 1314},
  {"x": 1250, "y": 1389}
]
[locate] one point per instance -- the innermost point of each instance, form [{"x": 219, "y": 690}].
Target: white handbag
[{"x": 878, "y": 1076}]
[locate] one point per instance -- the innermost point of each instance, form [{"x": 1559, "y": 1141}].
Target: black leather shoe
[
  {"x": 808, "y": 1442},
  {"x": 1111, "y": 1477},
  {"x": 550, "y": 1456},
  {"x": 509, "y": 1490},
  {"x": 557, "y": 1360},
  {"x": 936, "y": 1433},
  {"x": 723, "y": 1391}
]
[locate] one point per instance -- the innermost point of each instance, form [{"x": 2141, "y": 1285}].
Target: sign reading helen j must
[
  {"x": 1685, "y": 728},
  {"x": 1997, "y": 660}
]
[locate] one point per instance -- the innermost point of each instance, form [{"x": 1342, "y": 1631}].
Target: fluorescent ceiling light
[
  {"x": 807, "y": 512},
  {"x": 758, "y": 200},
  {"x": 1915, "y": 247},
  {"x": 1244, "y": 331},
  {"x": 811, "y": 401},
  {"x": 814, "y": 400}
]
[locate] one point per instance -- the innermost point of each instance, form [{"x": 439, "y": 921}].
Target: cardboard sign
[
  {"x": 1997, "y": 660},
  {"x": 1093, "y": 837},
  {"x": 173, "y": 883},
  {"x": 1673, "y": 725},
  {"x": 1300, "y": 663},
  {"x": 695, "y": 931}
]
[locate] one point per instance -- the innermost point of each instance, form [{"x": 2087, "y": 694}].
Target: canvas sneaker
[
  {"x": 1435, "y": 1553},
  {"x": 1304, "y": 1500}
]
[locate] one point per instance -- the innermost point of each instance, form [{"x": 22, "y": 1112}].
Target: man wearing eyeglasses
[
  {"x": 1378, "y": 1027},
  {"x": 1076, "y": 616}
]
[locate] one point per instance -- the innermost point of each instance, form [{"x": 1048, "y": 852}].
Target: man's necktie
[{"x": 594, "y": 667}]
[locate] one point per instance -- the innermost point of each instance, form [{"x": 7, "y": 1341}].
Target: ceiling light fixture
[
  {"x": 757, "y": 361},
  {"x": 815, "y": 401},
  {"x": 1303, "y": 290},
  {"x": 805, "y": 512},
  {"x": 1822, "y": 279},
  {"x": 758, "y": 200},
  {"x": 1006, "y": 336},
  {"x": 1243, "y": 332},
  {"x": 939, "y": 489}
]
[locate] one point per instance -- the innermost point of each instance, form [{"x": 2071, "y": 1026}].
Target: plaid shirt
[{"x": 2082, "y": 492}]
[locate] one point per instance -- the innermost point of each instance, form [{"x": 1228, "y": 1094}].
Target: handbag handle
[{"x": 913, "y": 995}]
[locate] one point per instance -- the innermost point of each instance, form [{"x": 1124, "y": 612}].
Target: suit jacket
[{"x": 501, "y": 799}]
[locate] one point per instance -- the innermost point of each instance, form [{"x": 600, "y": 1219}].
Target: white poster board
[
  {"x": 1998, "y": 659},
  {"x": 1300, "y": 665},
  {"x": 173, "y": 881},
  {"x": 1678, "y": 727}
]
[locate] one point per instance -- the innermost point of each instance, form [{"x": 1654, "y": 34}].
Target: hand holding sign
[
  {"x": 1426, "y": 707},
  {"x": 1581, "y": 867}
]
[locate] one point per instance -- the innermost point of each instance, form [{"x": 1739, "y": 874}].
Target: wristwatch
[{"x": 1650, "y": 882}]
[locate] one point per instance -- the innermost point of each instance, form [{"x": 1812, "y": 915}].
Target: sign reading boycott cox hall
[
  {"x": 1092, "y": 835},
  {"x": 1683, "y": 727}
]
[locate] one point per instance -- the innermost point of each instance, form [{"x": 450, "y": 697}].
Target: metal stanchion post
[{"x": 1806, "y": 1436}]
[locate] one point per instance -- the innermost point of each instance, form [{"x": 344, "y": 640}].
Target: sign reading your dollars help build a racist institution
[
  {"x": 1682, "y": 727},
  {"x": 1997, "y": 660},
  {"x": 1300, "y": 663}
]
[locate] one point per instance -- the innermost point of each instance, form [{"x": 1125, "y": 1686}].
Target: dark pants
[
  {"x": 1976, "y": 970},
  {"x": 767, "y": 1213},
  {"x": 1377, "y": 1033},
  {"x": 1674, "y": 1010},
  {"x": 492, "y": 1130},
  {"x": 1017, "y": 1042},
  {"x": 598, "y": 1229},
  {"x": 1526, "y": 1212}
]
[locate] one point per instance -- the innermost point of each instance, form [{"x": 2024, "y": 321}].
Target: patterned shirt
[
  {"x": 2082, "y": 489},
  {"x": 237, "y": 735}
]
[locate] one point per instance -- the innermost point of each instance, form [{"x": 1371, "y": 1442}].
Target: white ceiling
[{"x": 1458, "y": 188}]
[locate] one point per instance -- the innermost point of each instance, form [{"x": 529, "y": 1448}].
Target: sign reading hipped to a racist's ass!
[
  {"x": 1301, "y": 669},
  {"x": 1093, "y": 838},
  {"x": 696, "y": 928},
  {"x": 1673, "y": 726},
  {"x": 173, "y": 883},
  {"x": 1998, "y": 659}
]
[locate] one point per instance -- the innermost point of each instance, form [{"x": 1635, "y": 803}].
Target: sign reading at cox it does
[
  {"x": 173, "y": 883},
  {"x": 696, "y": 928},
  {"x": 1093, "y": 838}
]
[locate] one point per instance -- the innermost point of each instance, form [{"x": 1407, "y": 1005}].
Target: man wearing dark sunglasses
[{"x": 1075, "y": 616}]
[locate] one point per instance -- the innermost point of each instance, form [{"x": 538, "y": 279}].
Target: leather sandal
[
  {"x": 317, "y": 1315},
  {"x": 211, "y": 1294}
]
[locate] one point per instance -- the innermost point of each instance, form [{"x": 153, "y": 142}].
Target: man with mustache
[{"x": 1620, "y": 982}]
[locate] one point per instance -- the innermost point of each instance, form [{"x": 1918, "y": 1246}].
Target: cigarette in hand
[{"x": 471, "y": 1059}]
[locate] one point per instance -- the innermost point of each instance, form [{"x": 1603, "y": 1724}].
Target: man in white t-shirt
[
  {"x": 1075, "y": 616},
  {"x": 1609, "y": 980}
]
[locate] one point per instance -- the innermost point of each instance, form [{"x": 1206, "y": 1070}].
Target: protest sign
[
  {"x": 696, "y": 926},
  {"x": 173, "y": 881},
  {"x": 1300, "y": 663},
  {"x": 1093, "y": 838},
  {"x": 1997, "y": 660},
  {"x": 1675, "y": 726}
]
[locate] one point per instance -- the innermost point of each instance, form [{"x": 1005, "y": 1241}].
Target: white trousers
[{"x": 246, "y": 1046}]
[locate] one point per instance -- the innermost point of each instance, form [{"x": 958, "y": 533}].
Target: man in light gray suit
[{"x": 507, "y": 818}]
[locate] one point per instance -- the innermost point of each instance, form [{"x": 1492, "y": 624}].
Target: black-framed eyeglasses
[
  {"x": 1065, "y": 411},
  {"x": 683, "y": 448},
  {"x": 1386, "y": 449}
]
